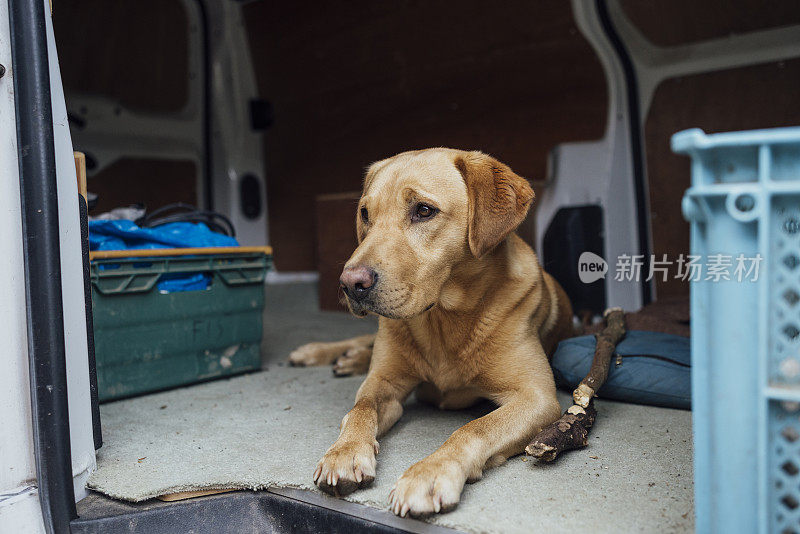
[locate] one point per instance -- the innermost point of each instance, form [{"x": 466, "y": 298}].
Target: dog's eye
[
  {"x": 364, "y": 215},
  {"x": 423, "y": 211}
]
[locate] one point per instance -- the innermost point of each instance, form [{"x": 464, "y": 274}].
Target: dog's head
[{"x": 421, "y": 214}]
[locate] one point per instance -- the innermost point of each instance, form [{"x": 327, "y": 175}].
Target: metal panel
[
  {"x": 80, "y": 415},
  {"x": 600, "y": 172},
  {"x": 19, "y": 504}
]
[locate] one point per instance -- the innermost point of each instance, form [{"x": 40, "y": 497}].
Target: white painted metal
[
  {"x": 80, "y": 414},
  {"x": 20, "y": 512},
  {"x": 600, "y": 172},
  {"x": 655, "y": 64},
  {"x": 19, "y": 504},
  {"x": 237, "y": 150},
  {"x": 111, "y": 131}
]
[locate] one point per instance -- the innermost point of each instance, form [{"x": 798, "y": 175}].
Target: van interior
[{"x": 269, "y": 112}]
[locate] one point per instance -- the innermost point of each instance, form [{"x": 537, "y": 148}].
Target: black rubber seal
[
  {"x": 230, "y": 513},
  {"x": 208, "y": 157},
  {"x": 637, "y": 150},
  {"x": 46, "y": 349},
  {"x": 97, "y": 432}
]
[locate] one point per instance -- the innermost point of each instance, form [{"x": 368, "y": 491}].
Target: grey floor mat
[{"x": 270, "y": 429}]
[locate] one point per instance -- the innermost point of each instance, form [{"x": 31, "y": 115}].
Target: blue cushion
[{"x": 655, "y": 369}]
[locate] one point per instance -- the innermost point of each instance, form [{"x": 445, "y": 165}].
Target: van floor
[{"x": 268, "y": 429}]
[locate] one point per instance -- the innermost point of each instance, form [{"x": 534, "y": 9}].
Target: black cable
[{"x": 182, "y": 212}]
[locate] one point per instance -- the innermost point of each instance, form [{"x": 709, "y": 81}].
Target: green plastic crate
[{"x": 148, "y": 340}]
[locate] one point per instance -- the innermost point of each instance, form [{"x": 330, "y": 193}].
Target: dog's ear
[{"x": 499, "y": 200}]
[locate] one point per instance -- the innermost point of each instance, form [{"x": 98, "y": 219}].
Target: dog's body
[{"x": 466, "y": 313}]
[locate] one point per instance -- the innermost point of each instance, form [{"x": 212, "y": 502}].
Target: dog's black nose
[{"x": 357, "y": 281}]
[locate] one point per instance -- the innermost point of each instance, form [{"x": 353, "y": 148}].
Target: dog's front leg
[
  {"x": 435, "y": 483},
  {"x": 350, "y": 462}
]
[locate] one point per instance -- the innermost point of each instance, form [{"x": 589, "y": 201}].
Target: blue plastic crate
[{"x": 745, "y": 199}]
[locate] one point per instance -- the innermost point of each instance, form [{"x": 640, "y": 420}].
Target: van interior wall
[
  {"x": 354, "y": 82},
  {"x": 679, "y": 22},
  {"x": 761, "y": 96},
  {"x": 745, "y": 98},
  {"x": 134, "y": 53},
  {"x": 151, "y": 182}
]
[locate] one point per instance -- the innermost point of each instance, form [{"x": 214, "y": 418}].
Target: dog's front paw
[
  {"x": 346, "y": 467},
  {"x": 353, "y": 362},
  {"x": 427, "y": 487},
  {"x": 313, "y": 354}
]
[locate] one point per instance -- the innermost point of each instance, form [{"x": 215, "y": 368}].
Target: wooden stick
[
  {"x": 80, "y": 173},
  {"x": 572, "y": 429},
  {"x": 158, "y": 252},
  {"x": 183, "y": 495},
  {"x": 607, "y": 341}
]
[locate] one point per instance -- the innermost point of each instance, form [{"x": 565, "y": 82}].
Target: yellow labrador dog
[{"x": 466, "y": 312}]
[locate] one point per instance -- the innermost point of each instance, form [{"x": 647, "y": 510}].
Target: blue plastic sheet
[
  {"x": 172, "y": 282},
  {"x": 125, "y": 235}
]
